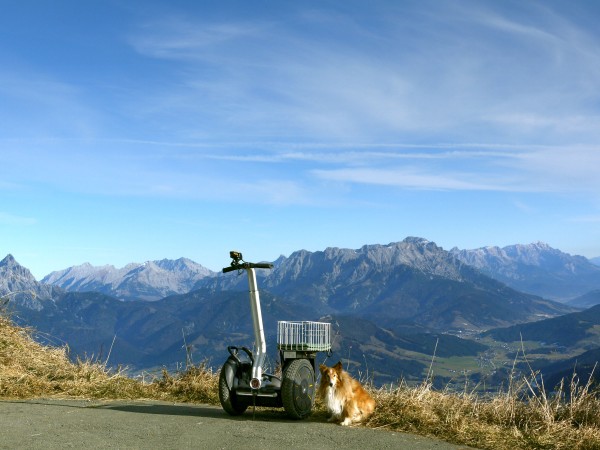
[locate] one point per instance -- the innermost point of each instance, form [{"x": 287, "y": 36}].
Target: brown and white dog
[{"x": 345, "y": 398}]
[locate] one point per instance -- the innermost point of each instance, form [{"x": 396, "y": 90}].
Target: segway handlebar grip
[
  {"x": 260, "y": 265},
  {"x": 247, "y": 265}
]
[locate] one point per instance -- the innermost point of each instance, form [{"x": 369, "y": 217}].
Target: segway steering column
[{"x": 260, "y": 351}]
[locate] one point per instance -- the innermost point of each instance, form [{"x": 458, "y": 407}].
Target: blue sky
[{"x": 142, "y": 130}]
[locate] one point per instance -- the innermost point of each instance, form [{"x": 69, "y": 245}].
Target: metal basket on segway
[{"x": 242, "y": 382}]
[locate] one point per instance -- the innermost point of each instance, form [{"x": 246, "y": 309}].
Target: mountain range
[
  {"x": 392, "y": 307},
  {"x": 536, "y": 269},
  {"x": 151, "y": 280},
  {"x": 413, "y": 281}
]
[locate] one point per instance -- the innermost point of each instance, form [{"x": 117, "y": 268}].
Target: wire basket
[{"x": 304, "y": 336}]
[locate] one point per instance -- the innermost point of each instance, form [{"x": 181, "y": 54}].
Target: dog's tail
[{"x": 368, "y": 406}]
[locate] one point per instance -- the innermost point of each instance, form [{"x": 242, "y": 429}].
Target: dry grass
[
  {"x": 28, "y": 369},
  {"x": 31, "y": 370},
  {"x": 523, "y": 417},
  {"x": 196, "y": 384}
]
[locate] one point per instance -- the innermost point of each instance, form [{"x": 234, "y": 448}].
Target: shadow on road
[
  {"x": 174, "y": 409},
  {"x": 171, "y": 410},
  {"x": 276, "y": 415}
]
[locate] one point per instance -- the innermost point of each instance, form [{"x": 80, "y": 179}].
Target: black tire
[
  {"x": 298, "y": 389},
  {"x": 229, "y": 400}
]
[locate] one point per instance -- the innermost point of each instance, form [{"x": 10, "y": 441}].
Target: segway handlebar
[
  {"x": 238, "y": 263},
  {"x": 247, "y": 265}
]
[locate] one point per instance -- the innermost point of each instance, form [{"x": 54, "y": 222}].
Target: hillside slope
[
  {"x": 586, "y": 300},
  {"x": 579, "y": 329}
]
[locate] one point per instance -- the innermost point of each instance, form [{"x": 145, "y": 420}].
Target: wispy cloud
[
  {"x": 286, "y": 172},
  {"x": 344, "y": 102},
  {"x": 180, "y": 38},
  {"x": 411, "y": 179},
  {"x": 449, "y": 74},
  {"x": 563, "y": 169},
  {"x": 560, "y": 169}
]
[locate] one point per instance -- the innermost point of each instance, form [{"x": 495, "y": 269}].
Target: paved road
[{"x": 54, "y": 424}]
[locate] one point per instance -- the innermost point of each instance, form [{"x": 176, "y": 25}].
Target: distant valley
[{"x": 393, "y": 307}]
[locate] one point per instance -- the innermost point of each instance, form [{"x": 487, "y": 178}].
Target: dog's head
[{"x": 331, "y": 376}]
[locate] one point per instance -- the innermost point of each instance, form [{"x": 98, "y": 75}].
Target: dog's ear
[
  {"x": 323, "y": 368},
  {"x": 338, "y": 367}
]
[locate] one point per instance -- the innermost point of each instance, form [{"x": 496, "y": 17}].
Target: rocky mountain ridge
[
  {"x": 151, "y": 280},
  {"x": 19, "y": 285},
  {"x": 413, "y": 281},
  {"x": 536, "y": 269}
]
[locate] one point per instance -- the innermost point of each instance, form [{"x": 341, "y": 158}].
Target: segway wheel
[
  {"x": 298, "y": 389},
  {"x": 229, "y": 400}
]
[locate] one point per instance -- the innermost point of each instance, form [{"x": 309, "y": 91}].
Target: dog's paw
[{"x": 346, "y": 422}]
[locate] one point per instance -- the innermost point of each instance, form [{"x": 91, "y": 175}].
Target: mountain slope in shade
[
  {"x": 536, "y": 268},
  {"x": 144, "y": 335},
  {"x": 580, "y": 368},
  {"x": 588, "y": 300},
  {"x": 572, "y": 334},
  {"x": 148, "y": 334},
  {"x": 574, "y": 330},
  {"x": 152, "y": 280}
]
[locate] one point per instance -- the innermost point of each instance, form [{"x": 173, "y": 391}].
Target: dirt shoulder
[{"x": 53, "y": 424}]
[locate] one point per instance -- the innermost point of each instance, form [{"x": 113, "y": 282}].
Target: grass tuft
[{"x": 197, "y": 384}]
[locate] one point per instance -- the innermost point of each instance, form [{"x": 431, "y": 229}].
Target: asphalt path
[{"x": 82, "y": 424}]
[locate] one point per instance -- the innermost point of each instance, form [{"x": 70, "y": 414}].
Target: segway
[{"x": 242, "y": 382}]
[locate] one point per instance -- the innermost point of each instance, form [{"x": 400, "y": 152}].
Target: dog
[{"x": 345, "y": 398}]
